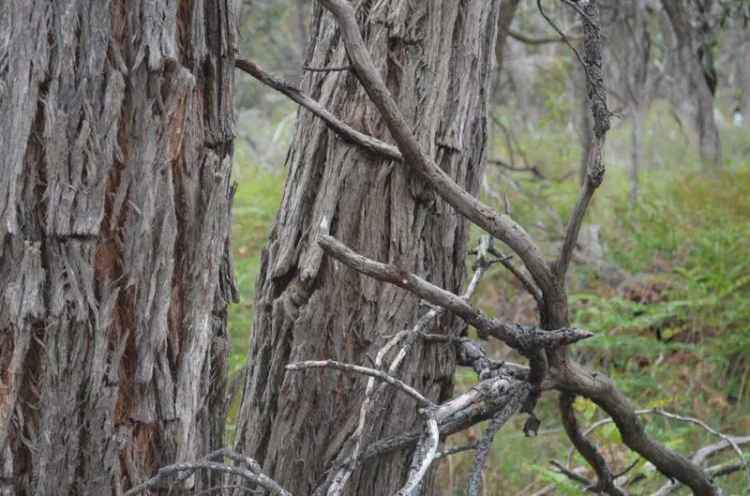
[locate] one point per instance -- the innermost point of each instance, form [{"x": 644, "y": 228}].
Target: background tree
[
  {"x": 117, "y": 134},
  {"x": 694, "y": 57}
]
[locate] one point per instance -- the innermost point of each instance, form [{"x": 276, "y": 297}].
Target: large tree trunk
[
  {"x": 117, "y": 136},
  {"x": 698, "y": 79},
  {"x": 437, "y": 58}
]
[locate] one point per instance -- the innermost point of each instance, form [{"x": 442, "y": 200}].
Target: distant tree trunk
[
  {"x": 116, "y": 134},
  {"x": 741, "y": 54},
  {"x": 636, "y": 153},
  {"x": 437, "y": 58},
  {"x": 691, "y": 55},
  {"x": 505, "y": 19}
]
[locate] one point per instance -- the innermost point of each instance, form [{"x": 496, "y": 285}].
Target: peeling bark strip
[
  {"x": 309, "y": 308},
  {"x": 116, "y": 134}
]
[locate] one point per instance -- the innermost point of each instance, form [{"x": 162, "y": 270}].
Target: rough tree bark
[
  {"x": 691, "y": 67},
  {"x": 116, "y": 132},
  {"x": 437, "y": 57}
]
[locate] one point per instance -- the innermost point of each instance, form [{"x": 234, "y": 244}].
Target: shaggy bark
[
  {"x": 437, "y": 59},
  {"x": 114, "y": 213}
]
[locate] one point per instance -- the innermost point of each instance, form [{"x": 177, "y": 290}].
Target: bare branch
[
  {"x": 602, "y": 391},
  {"x": 251, "y": 472},
  {"x": 425, "y": 454},
  {"x": 500, "y": 226},
  {"x": 526, "y": 340},
  {"x": 344, "y": 130},
  {"x": 346, "y": 367},
  {"x": 605, "y": 480},
  {"x": 530, "y": 40},
  {"x": 326, "y": 69},
  {"x": 597, "y": 95},
  {"x": 485, "y": 444}
]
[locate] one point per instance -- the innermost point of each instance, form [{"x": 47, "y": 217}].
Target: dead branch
[
  {"x": 424, "y": 455},
  {"x": 344, "y": 130},
  {"x": 597, "y": 95},
  {"x": 245, "y": 468},
  {"x": 605, "y": 480},
  {"x": 524, "y": 339},
  {"x": 357, "y": 369}
]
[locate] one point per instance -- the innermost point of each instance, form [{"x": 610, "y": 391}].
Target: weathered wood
[
  {"x": 116, "y": 133},
  {"x": 310, "y": 308}
]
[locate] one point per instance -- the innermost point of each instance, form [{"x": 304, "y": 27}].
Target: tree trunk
[
  {"x": 437, "y": 59},
  {"x": 689, "y": 63},
  {"x": 636, "y": 153},
  {"x": 114, "y": 214}
]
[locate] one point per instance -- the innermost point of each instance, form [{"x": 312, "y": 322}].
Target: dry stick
[
  {"x": 529, "y": 40},
  {"x": 425, "y": 454},
  {"x": 252, "y": 473},
  {"x": 484, "y": 445},
  {"x": 502, "y": 227},
  {"x": 342, "y": 476},
  {"x": 344, "y": 130},
  {"x": 605, "y": 482},
  {"x": 347, "y": 367},
  {"x": 520, "y": 338}
]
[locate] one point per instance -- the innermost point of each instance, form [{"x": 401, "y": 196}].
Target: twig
[
  {"x": 484, "y": 445},
  {"x": 454, "y": 450},
  {"x": 326, "y": 69},
  {"x": 347, "y": 367},
  {"x": 571, "y": 474},
  {"x": 530, "y": 40}
]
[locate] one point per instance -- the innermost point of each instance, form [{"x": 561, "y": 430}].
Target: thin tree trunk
[
  {"x": 505, "y": 19},
  {"x": 114, "y": 213},
  {"x": 636, "y": 153},
  {"x": 437, "y": 58},
  {"x": 698, "y": 87}
]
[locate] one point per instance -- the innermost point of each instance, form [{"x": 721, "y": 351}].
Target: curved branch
[
  {"x": 605, "y": 479},
  {"x": 344, "y": 130},
  {"x": 602, "y": 391},
  {"x": 526, "y": 340},
  {"x": 503, "y": 227},
  {"x": 346, "y": 367}
]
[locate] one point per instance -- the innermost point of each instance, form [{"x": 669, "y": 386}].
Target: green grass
[{"x": 255, "y": 204}]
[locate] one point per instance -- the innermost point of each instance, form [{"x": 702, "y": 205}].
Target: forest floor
[{"x": 664, "y": 284}]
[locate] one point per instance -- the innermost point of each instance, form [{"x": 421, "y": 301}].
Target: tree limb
[
  {"x": 605, "y": 480},
  {"x": 503, "y": 227},
  {"x": 344, "y": 130},
  {"x": 525, "y": 340}
]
